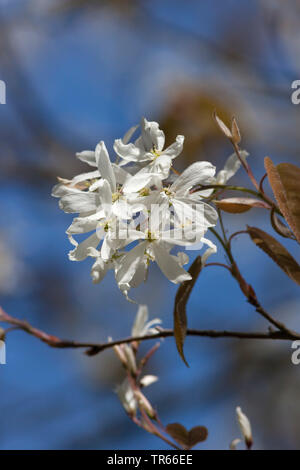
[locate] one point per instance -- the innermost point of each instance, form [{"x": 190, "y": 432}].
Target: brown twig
[{"x": 95, "y": 348}]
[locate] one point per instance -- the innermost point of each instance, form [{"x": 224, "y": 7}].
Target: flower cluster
[{"x": 137, "y": 209}]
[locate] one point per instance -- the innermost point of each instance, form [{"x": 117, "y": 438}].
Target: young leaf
[
  {"x": 187, "y": 439},
  {"x": 178, "y": 432},
  {"x": 238, "y": 205},
  {"x": 277, "y": 252},
  {"x": 197, "y": 434},
  {"x": 285, "y": 183},
  {"x": 182, "y": 296},
  {"x": 223, "y": 126}
]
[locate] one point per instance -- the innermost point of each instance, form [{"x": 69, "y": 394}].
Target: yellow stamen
[
  {"x": 144, "y": 192},
  {"x": 115, "y": 196}
]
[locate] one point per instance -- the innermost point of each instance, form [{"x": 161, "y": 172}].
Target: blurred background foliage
[{"x": 78, "y": 71}]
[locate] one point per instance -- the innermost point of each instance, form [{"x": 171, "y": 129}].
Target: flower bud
[
  {"x": 120, "y": 354},
  {"x": 148, "y": 380},
  {"x": 245, "y": 427},
  {"x": 145, "y": 404},
  {"x": 130, "y": 359},
  {"x": 234, "y": 443}
]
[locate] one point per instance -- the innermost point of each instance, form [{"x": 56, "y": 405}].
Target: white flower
[
  {"x": 186, "y": 205},
  {"x": 149, "y": 150},
  {"x": 116, "y": 208},
  {"x": 155, "y": 246},
  {"x": 245, "y": 427},
  {"x": 142, "y": 326}
]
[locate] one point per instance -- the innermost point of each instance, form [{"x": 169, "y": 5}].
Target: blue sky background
[{"x": 80, "y": 74}]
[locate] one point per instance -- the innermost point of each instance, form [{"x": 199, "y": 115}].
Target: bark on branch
[{"x": 95, "y": 348}]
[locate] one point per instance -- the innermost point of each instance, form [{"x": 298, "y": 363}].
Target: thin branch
[
  {"x": 222, "y": 265},
  {"x": 235, "y": 234},
  {"x": 95, "y": 348}
]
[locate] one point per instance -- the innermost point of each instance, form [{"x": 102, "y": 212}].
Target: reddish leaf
[
  {"x": 238, "y": 205},
  {"x": 285, "y": 182},
  {"x": 182, "y": 296},
  {"x": 187, "y": 439},
  {"x": 280, "y": 227},
  {"x": 277, "y": 252},
  {"x": 235, "y": 131}
]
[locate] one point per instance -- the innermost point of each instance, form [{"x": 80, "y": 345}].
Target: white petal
[
  {"x": 107, "y": 248},
  {"x": 95, "y": 185},
  {"x": 84, "y": 177},
  {"x": 139, "y": 181},
  {"x": 140, "y": 274},
  {"x": 161, "y": 166},
  {"x": 105, "y": 196},
  {"x": 130, "y": 263},
  {"x": 121, "y": 175},
  {"x": 182, "y": 237},
  {"x": 168, "y": 265},
  {"x": 232, "y": 165},
  {"x": 199, "y": 195},
  {"x": 121, "y": 209},
  {"x": 126, "y": 235},
  {"x": 104, "y": 165},
  {"x": 148, "y": 330},
  {"x": 176, "y": 148},
  {"x": 87, "y": 156},
  {"x": 61, "y": 189},
  {"x": 99, "y": 269},
  {"x": 140, "y": 320},
  {"x": 199, "y": 213},
  {"x": 153, "y": 136},
  {"x": 197, "y": 173},
  {"x": 182, "y": 258},
  {"x": 78, "y": 202},
  {"x": 130, "y": 152},
  {"x": 82, "y": 249},
  {"x": 158, "y": 217},
  {"x": 148, "y": 380},
  {"x": 209, "y": 251},
  {"x": 129, "y": 134},
  {"x": 85, "y": 224}
]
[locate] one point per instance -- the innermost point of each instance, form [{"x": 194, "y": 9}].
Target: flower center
[
  {"x": 150, "y": 236},
  {"x": 167, "y": 192},
  {"x": 156, "y": 153},
  {"x": 144, "y": 192},
  {"x": 115, "y": 197}
]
